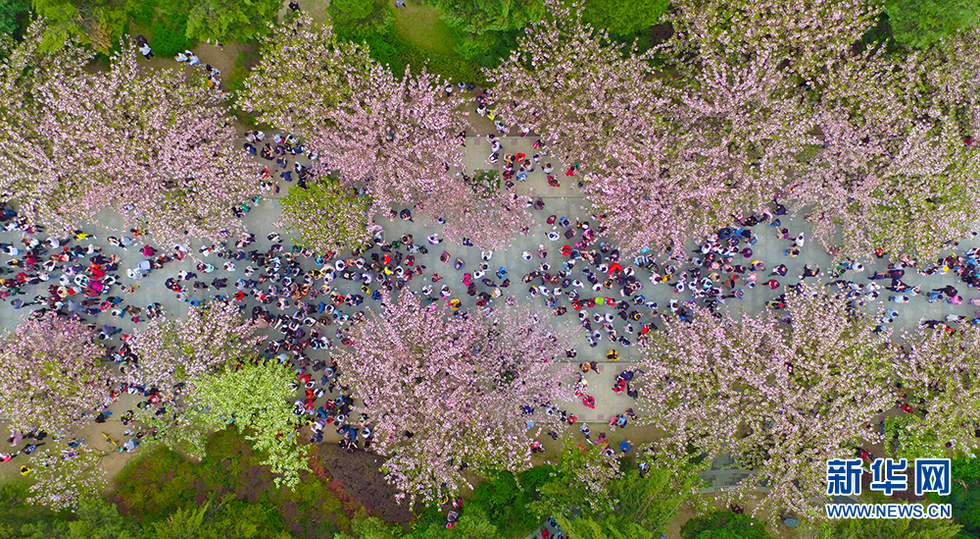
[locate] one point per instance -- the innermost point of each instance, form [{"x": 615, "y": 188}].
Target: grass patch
[
  {"x": 423, "y": 27},
  {"x": 388, "y": 48},
  {"x": 413, "y": 35}
]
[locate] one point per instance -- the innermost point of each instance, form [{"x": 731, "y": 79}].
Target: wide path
[{"x": 565, "y": 201}]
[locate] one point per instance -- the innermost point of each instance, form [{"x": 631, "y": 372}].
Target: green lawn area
[{"x": 421, "y": 26}]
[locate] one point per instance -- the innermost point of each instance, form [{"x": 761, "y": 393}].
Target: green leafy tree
[
  {"x": 724, "y": 525},
  {"x": 642, "y": 505},
  {"x": 254, "y": 397},
  {"x": 240, "y": 20},
  {"x": 855, "y": 528},
  {"x": 624, "y": 18},
  {"x": 364, "y": 527},
  {"x": 98, "y": 22},
  {"x": 474, "y": 524},
  {"x": 488, "y": 29},
  {"x": 326, "y": 216},
  {"x": 95, "y": 518},
  {"x": 579, "y": 482},
  {"x": 506, "y": 499},
  {"x": 12, "y": 14},
  {"x": 965, "y": 495},
  {"x": 920, "y": 23},
  {"x": 168, "y": 30},
  {"x": 228, "y": 518}
]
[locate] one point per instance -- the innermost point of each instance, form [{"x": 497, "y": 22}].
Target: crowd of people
[{"x": 306, "y": 299}]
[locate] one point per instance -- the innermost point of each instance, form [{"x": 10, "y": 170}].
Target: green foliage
[
  {"x": 168, "y": 32},
  {"x": 624, "y": 18},
  {"x": 238, "y": 20},
  {"x": 473, "y": 524},
  {"x": 15, "y": 512},
  {"x": 171, "y": 26},
  {"x": 13, "y": 13},
  {"x": 578, "y": 484},
  {"x": 965, "y": 494},
  {"x": 254, "y": 397},
  {"x": 142, "y": 13},
  {"x": 228, "y": 518},
  {"x": 868, "y": 528},
  {"x": 364, "y": 527},
  {"x": 96, "y": 22},
  {"x": 507, "y": 498},
  {"x": 643, "y": 506},
  {"x": 326, "y": 215},
  {"x": 102, "y": 23},
  {"x": 611, "y": 527},
  {"x": 488, "y": 29},
  {"x": 357, "y": 19},
  {"x": 95, "y": 518},
  {"x": 159, "y": 482},
  {"x": 920, "y": 23},
  {"x": 724, "y": 525}
]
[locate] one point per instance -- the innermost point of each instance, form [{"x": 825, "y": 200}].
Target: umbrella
[{"x": 144, "y": 265}]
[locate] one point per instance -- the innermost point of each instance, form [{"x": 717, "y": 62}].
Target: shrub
[{"x": 167, "y": 34}]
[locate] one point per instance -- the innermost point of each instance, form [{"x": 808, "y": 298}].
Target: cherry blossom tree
[
  {"x": 898, "y": 165},
  {"x": 939, "y": 372},
  {"x": 443, "y": 391},
  {"x": 155, "y": 145},
  {"x": 301, "y": 76},
  {"x": 174, "y": 353},
  {"x": 780, "y": 393},
  {"x": 61, "y": 480},
  {"x": 664, "y": 162},
  {"x": 51, "y": 372},
  {"x": 729, "y": 133},
  {"x": 396, "y": 137},
  {"x": 393, "y": 136},
  {"x": 574, "y": 86},
  {"x": 807, "y": 37}
]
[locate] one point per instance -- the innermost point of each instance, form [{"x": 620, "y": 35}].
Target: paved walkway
[{"x": 564, "y": 201}]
